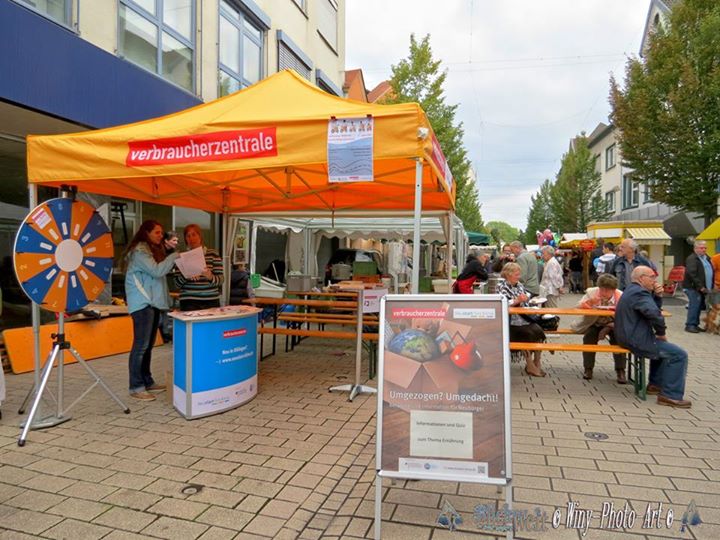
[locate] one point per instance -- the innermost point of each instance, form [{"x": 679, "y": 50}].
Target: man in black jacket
[
  {"x": 626, "y": 262},
  {"x": 640, "y": 327},
  {"x": 698, "y": 281}
]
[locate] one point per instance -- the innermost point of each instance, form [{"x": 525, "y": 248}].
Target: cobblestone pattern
[{"x": 298, "y": 462}]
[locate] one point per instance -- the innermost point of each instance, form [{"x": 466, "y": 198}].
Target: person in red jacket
[{"x": 473, "y": 271}]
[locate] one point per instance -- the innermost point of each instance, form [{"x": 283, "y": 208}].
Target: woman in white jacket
[{"x": 552, "y": 277}]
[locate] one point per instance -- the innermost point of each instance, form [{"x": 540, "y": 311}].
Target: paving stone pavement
[{"x": 298, "y": 462}]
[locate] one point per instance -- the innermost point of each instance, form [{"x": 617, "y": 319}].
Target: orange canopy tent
[{"x": 260, "y": 150}]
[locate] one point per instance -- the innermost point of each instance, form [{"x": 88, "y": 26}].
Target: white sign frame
[{"x": 506, "y": 479}]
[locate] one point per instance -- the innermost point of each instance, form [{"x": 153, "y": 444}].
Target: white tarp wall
[{"x": 304, "y": 235}]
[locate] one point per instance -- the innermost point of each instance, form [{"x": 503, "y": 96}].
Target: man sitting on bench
[
  {"x": 640, "y": 327},
  {"x": 594, "y": 329}
]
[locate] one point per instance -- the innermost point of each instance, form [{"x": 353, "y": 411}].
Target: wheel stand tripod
[{"x": 60, "y": 344}]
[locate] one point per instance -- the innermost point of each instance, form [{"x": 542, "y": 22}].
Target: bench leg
[{"x": 639, "y": 381}]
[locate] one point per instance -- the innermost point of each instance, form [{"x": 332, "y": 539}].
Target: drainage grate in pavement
[
  {"x": 192, "y": 489},
  {"x": 596, "y": 435}
]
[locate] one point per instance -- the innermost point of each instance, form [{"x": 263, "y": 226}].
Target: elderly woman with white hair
[
  {"x": 521, "y": 330},
  {"x": 552, "y": 277}
]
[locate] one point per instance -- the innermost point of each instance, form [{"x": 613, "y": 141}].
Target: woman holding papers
[
  {"x": 202, "y": 290},
  {"x": 147, "y": 295}
]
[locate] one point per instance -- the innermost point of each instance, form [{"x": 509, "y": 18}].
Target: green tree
[
  {"x": 668, "y": 112},
  {"x": 576, "y": 197},
  {"x": 418, "y": 78},
  {"x": 502, "y": 232},
  {"x": 540, "y": 216}
]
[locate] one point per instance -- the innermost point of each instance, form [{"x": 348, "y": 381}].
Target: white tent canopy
[{"x": 305, "y": 233}]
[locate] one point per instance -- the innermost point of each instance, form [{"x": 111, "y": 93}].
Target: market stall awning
[
  {"x": 480, "y": 239},
  {"x": 572, "y": 239},
  {"x": 649, "y": 235},
  {"x": 378, "y": 228},
  {"x": 261, "y": 150},
  {"x": 712, "y": 232}
]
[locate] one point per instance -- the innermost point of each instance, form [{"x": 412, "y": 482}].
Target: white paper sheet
[{"x": 191, "y": 263}]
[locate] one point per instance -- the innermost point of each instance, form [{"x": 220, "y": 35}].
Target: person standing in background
[
  {"x": 170, "y": 241},
  {"x": 595, "y": 254},
  {"x": 605, "y": 261},
  {"x": 627, "y": 260},
  {"x": 201, "y": 291},
  {"x": 505, "y": 256},
  {"x": 240, "y": 286},
  {"x": 698, "y": 281},
  {"x": 528, "y": 267},
  {"x": 552, "y": 278},
  {"x": 576, "y": 269},
  {"x": 147, "y": 295},
  {"x": 473, "y": 271}
]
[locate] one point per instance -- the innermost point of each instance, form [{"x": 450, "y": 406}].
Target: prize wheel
[{"x": 63, "y": 255}]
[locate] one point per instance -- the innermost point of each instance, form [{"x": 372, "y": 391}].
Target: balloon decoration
[
  {"x": 63, "y": 254},
  {"x": 547, "y": 238}
]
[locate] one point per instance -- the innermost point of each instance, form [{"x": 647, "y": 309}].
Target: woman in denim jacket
[{"x": 147, "y": 295}]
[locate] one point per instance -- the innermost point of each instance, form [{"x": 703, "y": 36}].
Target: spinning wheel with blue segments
[{"x": 63, "y": 254}]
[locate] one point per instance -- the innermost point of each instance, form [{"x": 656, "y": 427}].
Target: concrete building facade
[{"x": 71, "y": 65}]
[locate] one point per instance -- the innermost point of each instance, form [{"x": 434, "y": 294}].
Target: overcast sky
[{"x": 527, "y": 76}]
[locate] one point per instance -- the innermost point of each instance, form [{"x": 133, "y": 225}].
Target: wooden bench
[{"x": 636, "y": 365}]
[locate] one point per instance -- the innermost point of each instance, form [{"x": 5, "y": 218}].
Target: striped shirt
[
  {"x": 203, "y": 289},
  {"x": 511, "y": 292}
]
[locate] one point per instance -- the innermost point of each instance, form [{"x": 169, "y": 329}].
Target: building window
[
  {"x": 328, "y": 22},
  {"x": 241, "y": 50},
  {"x": 610, "y": 201},
  {"x": 290, "y": 56},
  {"x": 630, "y": 192},
  {"x": 302, "y": 4},
  {"x": 596, "y": 162},
  {"x": 57, "y": 10},
  {"x": 158, "y": 35},
  {"x": 647, "y": 192},
  {"x": 610, "y": 157}
]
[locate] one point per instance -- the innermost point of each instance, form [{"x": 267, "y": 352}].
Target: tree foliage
[
  {"x": 418, "y": 78},
  {"x": 576, "y": 197},
  {"x": 540, "y": 216},
  {"x": 502, "y": 232},
  {"x": 668, "y": 111}
]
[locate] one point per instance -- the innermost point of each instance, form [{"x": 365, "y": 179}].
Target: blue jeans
[
  {"x": 695, "y": 301},
  {"x": 668, "y": 372},
  {"x": 145, "y": 325}
]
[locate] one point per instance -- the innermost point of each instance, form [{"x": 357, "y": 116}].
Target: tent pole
[
  {"x": 416, "y": 231},
  {"x": 450, "y": 237},
  {"x": 229, "y": 225}
]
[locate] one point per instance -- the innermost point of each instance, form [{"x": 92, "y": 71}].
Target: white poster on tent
[{"x": 350, "y": 150}]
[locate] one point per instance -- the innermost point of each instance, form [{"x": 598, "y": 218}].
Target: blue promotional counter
[{"x": 215, "y": 359}]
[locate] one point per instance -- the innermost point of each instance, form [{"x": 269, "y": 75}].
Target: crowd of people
[
  {"x": 149, "y": 261},
  {"x": 623, "y": 280}
]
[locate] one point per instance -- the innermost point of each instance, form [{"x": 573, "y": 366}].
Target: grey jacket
[{"x": 529, "y": 276}]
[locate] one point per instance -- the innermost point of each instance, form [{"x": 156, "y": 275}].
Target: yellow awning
[
  {"x": 649, "y": 236},
  {"x": 712, "y": 232}
]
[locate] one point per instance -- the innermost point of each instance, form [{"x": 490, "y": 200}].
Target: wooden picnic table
[
  {"x": 580, "y": 312},
  {"x": 635, "y": 363},
  {"x": 562, "y": 311},
  {"x": 342, "y": 305},
  {"x": 339, "y": 294},
  {"x": 267, "y": 301}
]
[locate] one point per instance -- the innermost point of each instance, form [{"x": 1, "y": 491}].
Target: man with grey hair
[
  {"x": 528, "y": 266},
  {"x": 640, "y": 327},
  {"x": 627, "y": 261},
  {"x": 698, "y": 281},
  {"x": 552, "y": 276}
]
